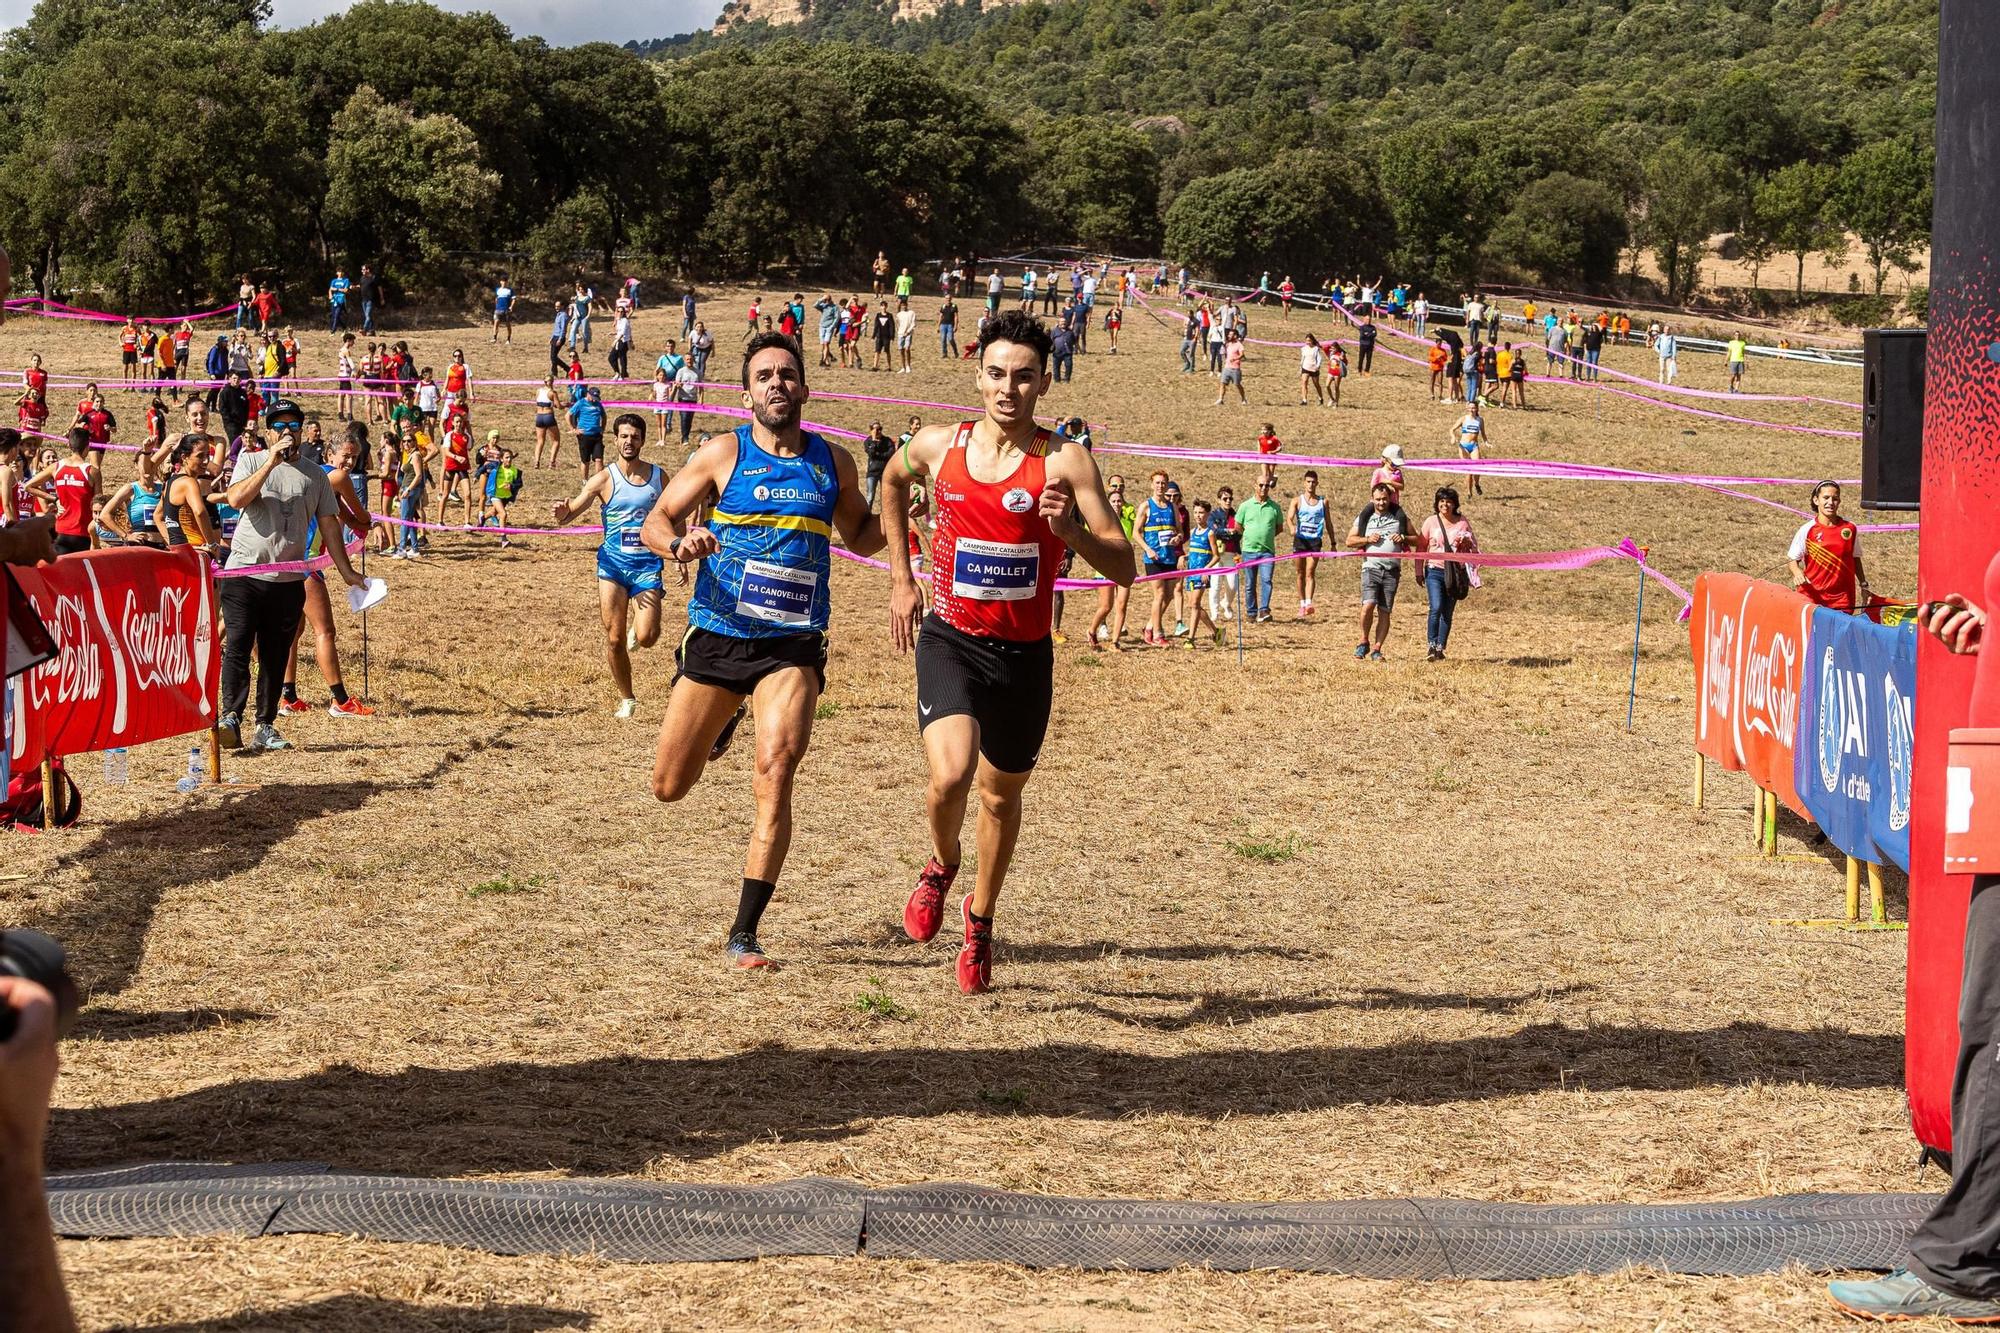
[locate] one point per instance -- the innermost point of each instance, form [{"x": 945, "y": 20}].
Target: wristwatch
[{"x": 674, "y": 548}]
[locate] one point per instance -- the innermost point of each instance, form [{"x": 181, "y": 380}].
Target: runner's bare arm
[
  {"x": 111, "y": 514},
  {"x": 919, "y": 458},
  {"x": 695, "y": 485},
  {"x": 860, "y": 531},
  {"x": 353, "y": 513},
  {"x": 914, "y": 460},
  {"x": 1085, "y": 520},
  {"x": 593, "y": 491}
]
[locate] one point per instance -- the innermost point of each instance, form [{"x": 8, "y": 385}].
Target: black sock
[
  {"x": 981, "y": 925},
  {"x": 339, "y": 692},
  {"x": 750, "y": 907},
  {"x": 291, "y": 692}
]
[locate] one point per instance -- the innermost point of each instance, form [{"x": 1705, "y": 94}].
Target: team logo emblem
[
  {"x": 1018, "y": 501},
  {"x": 762, "y": 492}
]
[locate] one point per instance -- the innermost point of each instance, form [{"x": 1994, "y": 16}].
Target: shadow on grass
[
  {"x": 134, "y": 1025},
  {"x": 349, "y": 1312},
  {"x": 614, "y": 1115},
  {"x": 135, "y": 863}
]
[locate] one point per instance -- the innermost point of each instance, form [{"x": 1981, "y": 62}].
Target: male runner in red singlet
[{"x": 1007, "y": 499}]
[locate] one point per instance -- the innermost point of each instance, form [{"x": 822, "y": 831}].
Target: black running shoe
[
  {"x": 745, "y": 953},
  {"x": 721, "y": 746}
]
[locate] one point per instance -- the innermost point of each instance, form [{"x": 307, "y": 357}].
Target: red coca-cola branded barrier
[{"x": 138, "y": 654}]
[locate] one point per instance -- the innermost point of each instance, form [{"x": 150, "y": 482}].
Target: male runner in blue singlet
[
  {"x": 757, "y": 620},
  {"x": 628, "y": 575},
  {"x": 1308, "y": 518}
]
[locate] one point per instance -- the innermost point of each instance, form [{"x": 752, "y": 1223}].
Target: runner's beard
[{"x": 775, "y": 419}]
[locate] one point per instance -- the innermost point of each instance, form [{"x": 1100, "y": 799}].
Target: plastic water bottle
[
  {"x": 194, "y": 773},
  {"x": 117, "y": 767}
]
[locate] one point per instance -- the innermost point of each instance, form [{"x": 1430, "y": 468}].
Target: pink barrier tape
[
  {"x": 1589, "y": 384},
  {"x": 1579, "y": 558},
  {"x": 575, "y": 530},
  {"x": 1527, "y": 468},
  {"x": 51, "y": 309},
  {"x": 318, "y": 562}
]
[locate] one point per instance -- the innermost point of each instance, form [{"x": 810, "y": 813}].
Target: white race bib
[
  {"x": 995, "y": 571},
  {"x": 629, "y": 541},
  {"x": 776, "y": 594}
]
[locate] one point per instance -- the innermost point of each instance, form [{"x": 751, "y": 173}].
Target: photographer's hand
[
  {"x": 27, "y": 1073},
  {"x": 32, "y": 1299}
]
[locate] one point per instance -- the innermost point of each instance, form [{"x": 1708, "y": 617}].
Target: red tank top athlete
[{"x": 993, "y": 557}]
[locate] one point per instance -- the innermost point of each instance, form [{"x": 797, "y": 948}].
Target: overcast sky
[{"x": 562, "y": 22}]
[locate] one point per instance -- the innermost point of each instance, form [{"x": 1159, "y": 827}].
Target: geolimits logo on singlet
[{"x": 796, "y": 494}]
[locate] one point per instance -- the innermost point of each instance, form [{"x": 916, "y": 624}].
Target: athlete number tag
[
  {"x": 776, "y": 594},
  {"x": 630, "y": 541},
  {"x": 995, "y": 571}
]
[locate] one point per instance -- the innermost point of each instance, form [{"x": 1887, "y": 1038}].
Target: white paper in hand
[{"x": 371, "y": 593}]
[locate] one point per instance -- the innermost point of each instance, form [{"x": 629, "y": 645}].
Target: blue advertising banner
[{"x": 1855, "y": 734}]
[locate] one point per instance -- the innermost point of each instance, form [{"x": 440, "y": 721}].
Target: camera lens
[{"x": 36, "y": 957}]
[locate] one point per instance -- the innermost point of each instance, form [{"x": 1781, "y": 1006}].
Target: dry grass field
[{"x": 1290, "y": 927}]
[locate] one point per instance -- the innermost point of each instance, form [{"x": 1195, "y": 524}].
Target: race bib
[
  {"x": 995, "y": 571},
  {"x": 629, "y": 542},
  {"x": 777, "y": 595}
]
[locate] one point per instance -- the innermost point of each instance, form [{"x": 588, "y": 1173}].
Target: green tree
[
  {"x": 1682, "y": 199},
  {"x": 1746, "y": 121},
  {"x": 1565, "y": 229},
  {"x": 1099, "y": 184},
  {"x": 401, "y": 185},
  {"x": 147, "y": 184},
  {"x": 1794, "y": 205},
  {"x": 595, "y": 147},
  {"x": 779, "y": 176},
  {"x": 1882, "y": 193},
  {"x": 941, "y": 170},
  {"x": 1308, "y": 213}
]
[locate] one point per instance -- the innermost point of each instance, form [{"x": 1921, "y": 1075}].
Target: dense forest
[
  {"x": 159, "y": 148},
  {"x": 1445, "y": 140}
]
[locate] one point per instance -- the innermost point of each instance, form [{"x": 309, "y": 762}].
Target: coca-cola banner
[
  {"x": 1749, "y": 640},
  {"x": 137, "y": 653}
]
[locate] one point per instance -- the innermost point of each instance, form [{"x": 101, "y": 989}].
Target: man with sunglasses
[{"x": 279, "y": 499}]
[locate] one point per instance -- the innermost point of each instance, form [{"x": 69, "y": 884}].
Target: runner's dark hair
[
  {"x": 1020, "y": 327},
  {"x": 632, "y": 419},
  {"x": 768, "y": 340}
]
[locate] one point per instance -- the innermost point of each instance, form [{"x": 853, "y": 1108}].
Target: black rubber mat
[{"x": 641, "y": 1221}]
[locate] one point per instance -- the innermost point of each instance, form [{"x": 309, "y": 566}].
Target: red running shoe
[
  {"x": 294, "y": 706},
  {"x": 924, "y": 912},
  {"x": 975, "y": 960}
]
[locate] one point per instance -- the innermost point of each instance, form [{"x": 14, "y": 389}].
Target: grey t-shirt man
[
  {"x": 274, "y": 526},
  {"x": 1382, "y": 530}
]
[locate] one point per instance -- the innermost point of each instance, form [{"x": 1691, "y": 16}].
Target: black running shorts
[
  {"x": 734, "y": 664},
  {"x": 590, "y": 448},
  {"x": 1005, "y": 687}
]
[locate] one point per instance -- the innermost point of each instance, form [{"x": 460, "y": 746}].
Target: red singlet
[
  {"x": 1829, "y": 565},
  {"x": 993, "y": 557},
  {"x": 74, "y": 493}
]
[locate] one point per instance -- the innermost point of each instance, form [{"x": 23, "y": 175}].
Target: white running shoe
[
  {"x": 626, "y": 708},
  {"x": 631, "y": 638}
]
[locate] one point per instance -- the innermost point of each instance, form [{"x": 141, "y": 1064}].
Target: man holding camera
[{"x": 280, "y": 499}]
